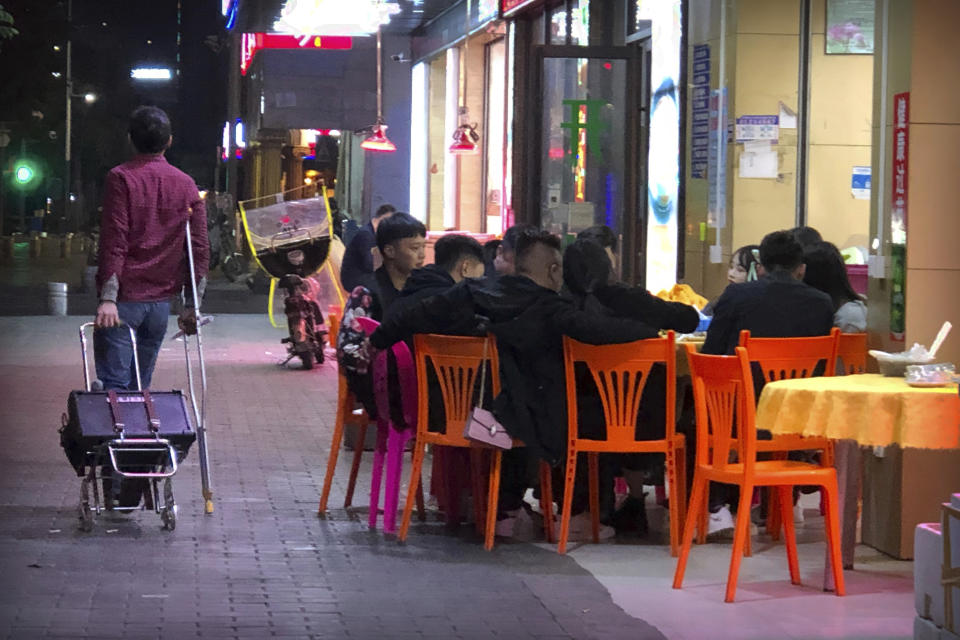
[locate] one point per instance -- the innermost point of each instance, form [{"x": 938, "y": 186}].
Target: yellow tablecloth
[{"x": 868, "y": 408}]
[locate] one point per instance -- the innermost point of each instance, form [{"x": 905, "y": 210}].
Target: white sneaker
[
  {"x": 534, "y": 504},
  {"x": 798, "y": 513},
  {"x": 720, "y": 521},
  {"x": 518, "y": 525},
  {"x": 581, "y": 529}
]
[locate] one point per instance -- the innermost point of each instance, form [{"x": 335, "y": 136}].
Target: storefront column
[{"x": 912, "y": 56}]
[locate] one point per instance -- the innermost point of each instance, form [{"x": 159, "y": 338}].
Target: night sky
[{"x": 109, "y": 38}]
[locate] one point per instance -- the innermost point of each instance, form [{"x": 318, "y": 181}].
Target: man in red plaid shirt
[{"x": 143, "y": 261}]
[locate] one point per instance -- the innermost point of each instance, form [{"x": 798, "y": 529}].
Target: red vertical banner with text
[{"x": 899, "y": 196}]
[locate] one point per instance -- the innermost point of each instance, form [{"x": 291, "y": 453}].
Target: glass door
[{"x": 588, "y": 165}]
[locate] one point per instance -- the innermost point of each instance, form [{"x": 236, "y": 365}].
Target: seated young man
[
  {"x": 504, "y": 262},
  {"x": 776, "y": 305},
  {"x": 401, "y": 239},
  {"x": 529, "y": 319},
  {"x": 456, "y": 257}
]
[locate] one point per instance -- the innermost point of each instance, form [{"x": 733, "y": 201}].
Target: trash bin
[{"x": 57, "y": 298}]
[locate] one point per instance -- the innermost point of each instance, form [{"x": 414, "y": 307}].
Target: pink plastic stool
[{"x": 391, "y": 439}]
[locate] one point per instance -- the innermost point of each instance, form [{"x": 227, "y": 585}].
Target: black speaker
[{"x": 89, "y": 422}]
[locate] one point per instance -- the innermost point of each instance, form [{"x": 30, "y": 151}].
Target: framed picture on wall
[{"x": 849, "y": 26}]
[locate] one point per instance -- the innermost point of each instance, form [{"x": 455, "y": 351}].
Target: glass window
[
  {"x": 495, "y": 133},
  {"x": 558, "y": 25}
]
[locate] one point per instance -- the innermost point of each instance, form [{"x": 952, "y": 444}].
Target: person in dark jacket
[
  {"x": 777, "y": 305},
  {"x": 358, "y": 257},
  {"x": 401, "y": 240},
  {"x": 529, "y": 318},
  {"x": 504, "y": 262},
  {"x": 588, "y": 276},
  {"x": 456, "y": 257}
]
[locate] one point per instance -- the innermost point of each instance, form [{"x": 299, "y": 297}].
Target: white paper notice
[
  {"x": 716, "y": 256},
  {"x": 758, "y": 163},
  {"x": 788, "y": 117}
]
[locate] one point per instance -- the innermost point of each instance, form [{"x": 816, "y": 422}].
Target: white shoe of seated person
[
  {"x": 534, "y": 504},
  {"x": 798, "y": 513},
  {"x": 581, "y": 529},
  {"x": 720, "y": 521}
]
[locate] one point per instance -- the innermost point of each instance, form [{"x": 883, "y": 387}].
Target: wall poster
[{"x": 849, "y": 26}]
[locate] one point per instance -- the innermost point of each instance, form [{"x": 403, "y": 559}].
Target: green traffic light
[{"x": 24, "y": 174}]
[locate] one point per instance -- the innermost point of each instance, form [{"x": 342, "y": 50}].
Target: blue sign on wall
[{"x": 700, "y": 125}]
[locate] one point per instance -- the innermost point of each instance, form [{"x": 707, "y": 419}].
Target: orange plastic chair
[
  {"x": 852, "y": 353},
  {"x": 346, "y": 414},
  {"x": 786, "y": 359},
  {"x": 725, "y": 409},
  {"x": 456, "y": 360},
  {"x": 620, "y": 372}
]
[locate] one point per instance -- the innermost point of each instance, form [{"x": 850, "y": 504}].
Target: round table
[{"x": 868, "y": 408}]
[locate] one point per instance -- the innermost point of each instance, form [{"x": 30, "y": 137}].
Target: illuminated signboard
[
  {"x": 253, "y": 42},
  {"x": 509, "y": 7}
]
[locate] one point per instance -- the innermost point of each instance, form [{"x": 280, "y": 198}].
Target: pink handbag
[{"x": 482, "y": 426}]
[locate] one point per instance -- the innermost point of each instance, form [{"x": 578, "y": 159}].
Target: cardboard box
[{"x": 901, "y": 489}]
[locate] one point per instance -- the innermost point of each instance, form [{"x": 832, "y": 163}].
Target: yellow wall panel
[
  {"x": 768, "y": 16},
  {"x": 841, "y": 97},
  {"x": 933, "y": 225},
  {"x": 934, "y": 90},
  {"x": 766, "y": 73},
  {"x": 831, "y": 207},
  {"x": 931, "y": 299}
]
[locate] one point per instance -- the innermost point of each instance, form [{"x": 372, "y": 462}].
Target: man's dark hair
[
  {"x": 149, "y": 129},
  {"x": 780, "y": 251},
  {"x": 509, "y": 242},
  {"x": 602, "y": 235},
  {"x": 527, "y": 240},
  {"x": 490, "y": 250},
  {"x": 397, "y": 227},
  {"x": 806, "y": 236},
  {"x": 383, "y": 210},
  {"x": 454, "y": 247}
]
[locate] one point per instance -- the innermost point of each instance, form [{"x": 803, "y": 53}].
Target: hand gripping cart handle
[{"x": 119, "y": 449}]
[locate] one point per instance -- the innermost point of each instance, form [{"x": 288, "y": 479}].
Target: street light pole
[{"x": 69, "y": 117}]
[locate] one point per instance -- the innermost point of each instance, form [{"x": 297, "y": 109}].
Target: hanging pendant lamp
[
  {"x": 465, "y": 137},
  {"x": 378, "y": 140}
]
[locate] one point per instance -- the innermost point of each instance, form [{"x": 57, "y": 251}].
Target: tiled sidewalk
[{"x": 263, "y": 565}]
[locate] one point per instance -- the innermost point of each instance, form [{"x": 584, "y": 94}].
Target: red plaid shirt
[{"x": 146, "y": 204}]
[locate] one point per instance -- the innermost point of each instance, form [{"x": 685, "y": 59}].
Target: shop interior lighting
[
  {"x": 378, "y": 140},
  {"x": 465, "y": 138},
  {"x": 334, "y": 17},
  {"x": 151, "y": 73}
]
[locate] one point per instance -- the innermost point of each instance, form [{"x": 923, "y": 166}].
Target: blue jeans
[{"x": 113, "y": 352}]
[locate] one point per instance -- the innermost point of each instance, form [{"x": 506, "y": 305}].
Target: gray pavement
[{"x": 263, "y": 565}]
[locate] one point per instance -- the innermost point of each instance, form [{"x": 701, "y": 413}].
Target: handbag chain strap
[{"x": 483, "y": 372}]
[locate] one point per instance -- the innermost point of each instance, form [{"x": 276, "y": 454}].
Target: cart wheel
[
  {"x": 169, "y": 512},
  {"x": 320, "y": 355},
  {"x": 83, "y": 509},
  {"x": 307, "y": 358},
  {"x": 168, "y": 515}
]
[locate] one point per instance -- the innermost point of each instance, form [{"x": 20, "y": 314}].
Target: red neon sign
[
  {"x": 252, "y": 42},
  {"x": 509, "y": 7}
]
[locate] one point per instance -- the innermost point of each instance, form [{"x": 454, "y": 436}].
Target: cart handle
[
  {"x": 142, "y": 445},
  {"x": 86, "y": 364}
]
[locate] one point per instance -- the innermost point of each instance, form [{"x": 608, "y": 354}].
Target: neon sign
[{"x": 252, "y": 42}]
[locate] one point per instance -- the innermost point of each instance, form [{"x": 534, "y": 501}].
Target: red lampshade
[
  {"x": 462, "y": 144},
  {"x": 378, "y": 140}
]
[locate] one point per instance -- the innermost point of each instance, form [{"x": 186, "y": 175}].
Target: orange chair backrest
[
  {"x": 725, "y": 407},
  {"x": 620, "y": 372},
  {"x": 333, "y": 329},
  {"x": 788, "y": 358},
  {"x": 456, "y": 361},
  {"x": 852, "y": 353}
]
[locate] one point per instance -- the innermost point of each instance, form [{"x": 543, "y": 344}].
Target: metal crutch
[{"x": 199, "y": 415}]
